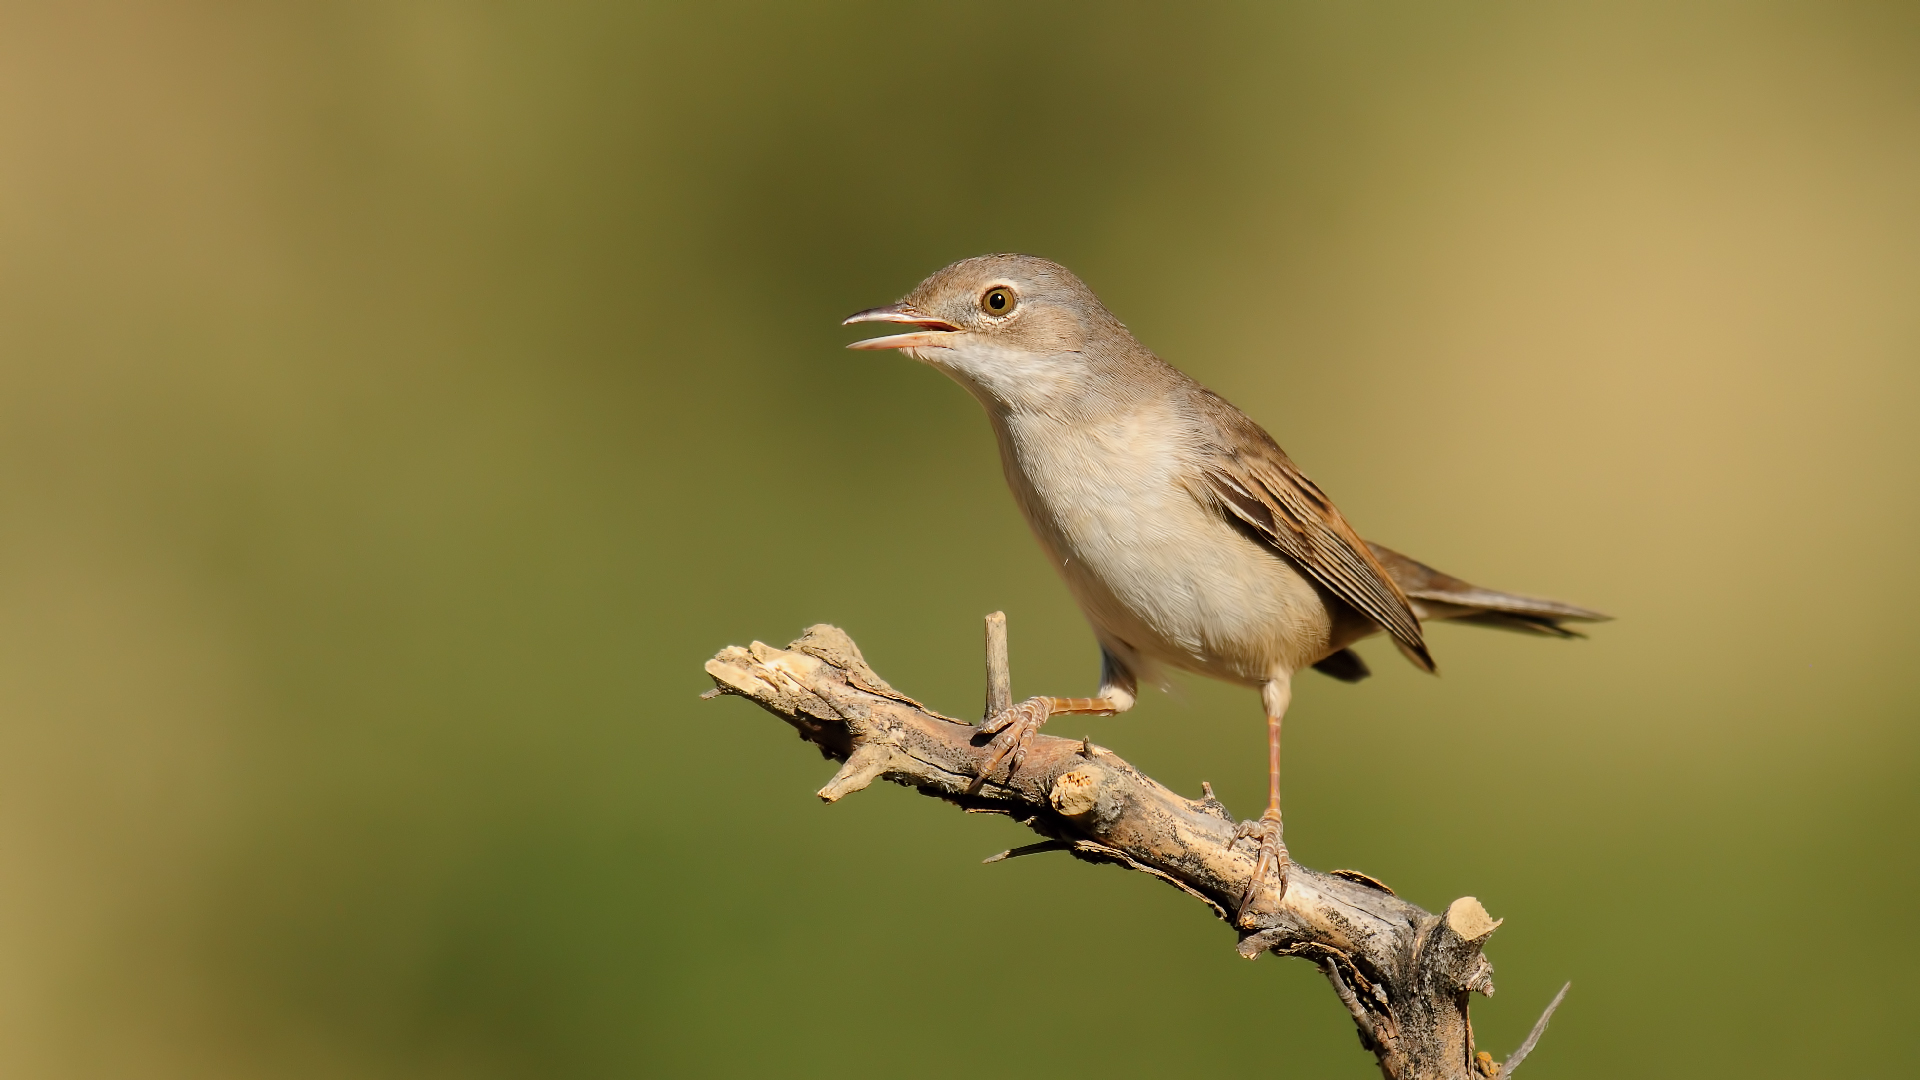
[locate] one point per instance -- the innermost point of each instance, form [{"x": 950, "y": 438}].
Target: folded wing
[{"x": 1252, "y": 479}]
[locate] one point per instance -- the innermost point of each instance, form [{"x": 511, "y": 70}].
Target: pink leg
[{"x": 1273, "y": 861}]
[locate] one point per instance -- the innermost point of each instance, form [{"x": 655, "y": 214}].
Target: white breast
[{"x": 1160, "y": 576}]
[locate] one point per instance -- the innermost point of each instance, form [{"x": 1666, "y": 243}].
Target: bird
[{"x": 1187, "y": 537}]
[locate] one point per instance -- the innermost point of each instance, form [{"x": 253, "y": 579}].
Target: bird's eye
[{"x": 998, "y": 300}]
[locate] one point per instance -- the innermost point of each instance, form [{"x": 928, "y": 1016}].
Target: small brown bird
[{"x": 1187, "y": 536}]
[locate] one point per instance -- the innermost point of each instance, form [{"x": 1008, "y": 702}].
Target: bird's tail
[{"x": 1441, "y": 596}]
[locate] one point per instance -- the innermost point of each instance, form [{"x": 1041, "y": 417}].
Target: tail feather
[
  {"x": 1442, "y": 596},
  {"x": 1523, "y": 624}
]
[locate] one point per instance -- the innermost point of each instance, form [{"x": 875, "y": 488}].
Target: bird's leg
[
  {"x": 1275, "y": 695},
  {"x": 1013, "y": 727}
]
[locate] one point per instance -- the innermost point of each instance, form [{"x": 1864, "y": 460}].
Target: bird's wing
[{"x": 1251, "y": 479}]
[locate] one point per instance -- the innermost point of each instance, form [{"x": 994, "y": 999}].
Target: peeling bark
[{"x": 1403, "y": 973}]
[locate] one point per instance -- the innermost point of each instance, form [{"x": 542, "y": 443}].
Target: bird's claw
[
  {"x": 1273, "y": 861},
  {"x": 1012, "y": 728}
]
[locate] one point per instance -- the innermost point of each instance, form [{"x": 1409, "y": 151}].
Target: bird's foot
[
  {"x": 1012, "y": 728},
  {"x": 1272, "y": 864}
]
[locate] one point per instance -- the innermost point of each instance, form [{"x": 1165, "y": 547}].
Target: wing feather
[{"x": 1252, "y": 479}]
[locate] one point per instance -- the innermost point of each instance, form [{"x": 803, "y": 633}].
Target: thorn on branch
[
  {"x": 1533, "y": 1037},
  {"x": 999, "y": 676},
  {"x": 1369, "y": 1037},
  {"x": 865, "y": 765},
  {"x": 1211, "y": 803},
  {"x": 1031, "y": 849}
]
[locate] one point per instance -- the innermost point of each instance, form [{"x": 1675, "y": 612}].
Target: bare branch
[{"x": 1405, "y": 974}]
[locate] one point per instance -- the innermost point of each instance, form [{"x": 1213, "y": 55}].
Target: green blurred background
[{"x": 401, "y": 400}]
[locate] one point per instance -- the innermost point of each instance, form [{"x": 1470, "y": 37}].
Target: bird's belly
[
  {"x": 1226, "y": 608},
  {"x": 1163, "y": 577}
]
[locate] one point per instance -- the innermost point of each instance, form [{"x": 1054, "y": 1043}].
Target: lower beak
[{"x": 934, "y": 332}]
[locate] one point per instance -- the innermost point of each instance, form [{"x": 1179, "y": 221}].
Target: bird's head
[{"x": 1015, "y": 329}]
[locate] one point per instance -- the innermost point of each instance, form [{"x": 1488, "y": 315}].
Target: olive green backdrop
[{"x": 399, "y": 401}]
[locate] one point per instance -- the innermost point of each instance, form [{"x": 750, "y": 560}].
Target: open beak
[{"x": 932, "y": 332}]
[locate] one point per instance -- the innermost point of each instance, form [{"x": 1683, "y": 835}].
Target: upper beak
[{"x": 932, "y": 331}]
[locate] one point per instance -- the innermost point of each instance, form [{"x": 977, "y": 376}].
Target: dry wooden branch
[{"x": 1403, "y": 973}]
